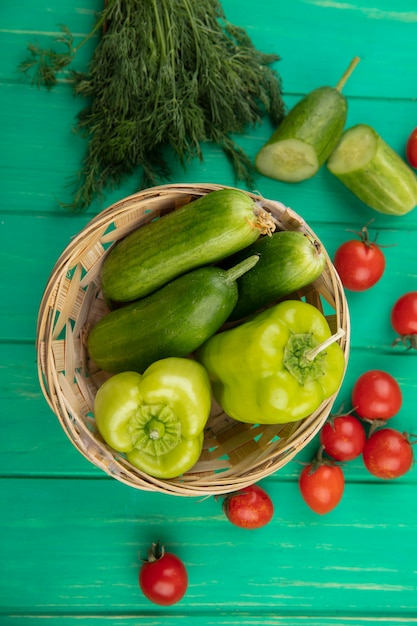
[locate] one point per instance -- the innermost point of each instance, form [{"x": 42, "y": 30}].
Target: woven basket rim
[{"x": 70, "y": 297}]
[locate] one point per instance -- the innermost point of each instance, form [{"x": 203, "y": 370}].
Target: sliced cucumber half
[
  {"x": 291, "y": 160},
  {"x": 373, "y": 171},
  {"x": 307, "y": 135}
]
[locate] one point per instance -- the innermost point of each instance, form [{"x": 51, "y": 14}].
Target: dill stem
[
  {"x": 171, "y": 48},
  {"x": 159, "y": 30},
  {"x": 196, "y": 36},
  {"x": 99, "y": 23}
]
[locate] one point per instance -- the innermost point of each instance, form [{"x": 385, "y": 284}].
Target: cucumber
[
  {"x": 288, "y": 261},
  {"x": 173, "y": 321},
  {"x": 199, "y": 233},
  {"x": 307, "y": 135},
  {"x": 373, "y": 171}
]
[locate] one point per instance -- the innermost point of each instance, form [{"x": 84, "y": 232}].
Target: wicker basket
[{"x": 234, "y": 454}]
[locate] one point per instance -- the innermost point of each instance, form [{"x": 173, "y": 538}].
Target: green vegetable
[
  {"x": 201, "y": 232},
  {"x": 288, "y": 261},
  {"x": 173, "y": 321},
  {"x": 277, "y": 367},
  {"x": 165, "y": 74},
  {"x": 307, "y": 135},
  {"x": 157, "y": 418},
  {"x": 373, "y": 171}
]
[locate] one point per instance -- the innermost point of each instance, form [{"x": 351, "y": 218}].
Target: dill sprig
[
  {"x": 44, "y": 64},
  {"x": 165, "y": 74}
]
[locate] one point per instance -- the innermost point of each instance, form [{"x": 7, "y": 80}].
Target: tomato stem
[
  {"x": 320, "y": 460},
  {"x": 156, "y": 552},
  {"x": 340, "y": 412},
  {"x": 375, "y": 424},
  {"x": 409, "y": 341},
  {"x": 412, "y": 439},
  {"x": 363, "y": 235},
  {"x": 319, "y": 456}
]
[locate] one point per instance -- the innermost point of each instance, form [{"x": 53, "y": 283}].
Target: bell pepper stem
[
  {"x": 155, "y": 429},
  {"x": 311, "y": 354}
]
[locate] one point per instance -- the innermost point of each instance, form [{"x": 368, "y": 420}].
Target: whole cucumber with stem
[
  {"x": 201, "y": 232},
  {"x": 307, "y": 135},
  {"x": 373, "y": 171},
  {"x": 173, "y": 321},
  {"x": 288, "y": 261}
]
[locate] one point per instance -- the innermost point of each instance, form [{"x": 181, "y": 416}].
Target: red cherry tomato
[
  {"x": 404, "y": 319},
  {"x": 411, "y": 148},
  {"x": 249, "y": 508},
  {"x": 359, "y": 263},
  {"x": 376, "y": 395},
  {"x": 343, "y": 437},
  {"x": 163, "y": 577},
  {"x": 322, "y": 487},
  {"x": 388, "y": 454}
]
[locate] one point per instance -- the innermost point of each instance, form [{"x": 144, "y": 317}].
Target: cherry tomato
[
  {"x": 411, "y": 149},
  {"x": 359, "y": 262},
  {"x": 404, "y": 319},
  {"x": 322, "y": 487},
  {"x": 388, "y": 453},
  {"x": 376, "y": 395},
  {"x": 343, "y": 437},
  {"x": 249, "y": 508},
  {"x": 163, "y": 577}
]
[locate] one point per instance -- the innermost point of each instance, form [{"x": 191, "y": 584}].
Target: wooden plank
[
  {"x": 37, "y": 445},
  {"x": 323, "y": 36},
  {"x": 305, "y": 34},
  {"x": 40, "y": 156},
  {"x": 38, "y": 130},
  {"x": 69, "y": 535},
  {"x": 40, "y": 25},
  {"x": 33, "y": 249},
  {"x": 234, "y": 617},
  {"x": 83, "y": 554}
]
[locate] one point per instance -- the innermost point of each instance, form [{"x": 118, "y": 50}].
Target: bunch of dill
[{"x": 165, "y": 74}]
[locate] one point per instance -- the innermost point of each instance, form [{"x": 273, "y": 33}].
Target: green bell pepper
[
  {"x": 157, "y": 418},
  {"x": 269, "y": 370}
]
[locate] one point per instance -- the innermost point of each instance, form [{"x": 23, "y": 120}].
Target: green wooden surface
[{"x": 69, "y": 535}]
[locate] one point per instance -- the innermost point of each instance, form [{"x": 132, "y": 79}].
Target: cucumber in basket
[
  {"x": 307, "y": 135},
  {"x": 288, "y": 261},
  {"x": 173, "y": 321},
  {"x": 373, "y": 171},
  {"x": 201, "y": 232}
]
